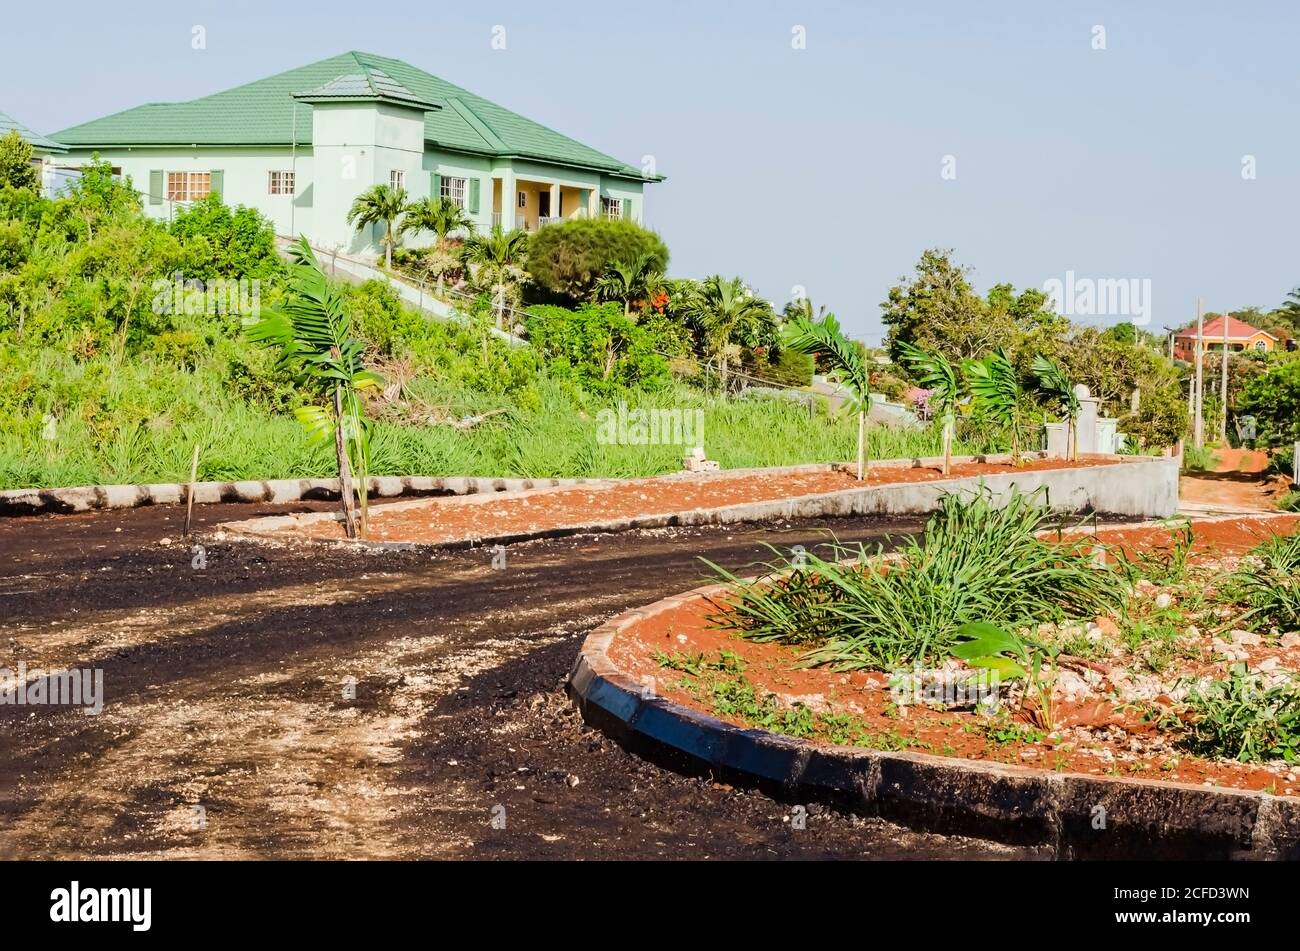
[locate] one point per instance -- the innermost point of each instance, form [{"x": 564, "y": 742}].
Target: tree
[
  {"x": 566, "y": 259},
  {"x": 1058, "y": 390},
  {"x": 16, "y": 168},
  {"x": 312, "y": 329},
  {"x": 95, "y": 196},
  {"x": 939, "y": 311},
  {"x": 825, "y": 339},
  {"x": 725, "y": 309},
  {"x": 496, "y": 261},
  {"x": 937, "y": 374},
  {"x": 443, "y": 216},
  {"x": 626, "y": 281},
  {"x": 1273, "y": 398},
  {"x": 379, "y": 203},
  {"x": 995, "y": 390}
]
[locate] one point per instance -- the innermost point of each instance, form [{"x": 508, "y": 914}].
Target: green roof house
[
  {"x": 39, "y": 143},
  {"x": 44, "y": 153},
  {"x": 301, "y": 145}
]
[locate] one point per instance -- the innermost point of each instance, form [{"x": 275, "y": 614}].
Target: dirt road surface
[{"x": 230, "y": 731}]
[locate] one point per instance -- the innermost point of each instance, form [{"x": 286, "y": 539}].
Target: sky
[{"x": 818, "y": 147}]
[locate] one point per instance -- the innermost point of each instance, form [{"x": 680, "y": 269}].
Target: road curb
[
  {"x": 93, "y": 497},
  {"x": 1126, "y": 486},
  {"x": 1068, "y": 815}
]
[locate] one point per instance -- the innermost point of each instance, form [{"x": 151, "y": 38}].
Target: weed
[{"x": 1238, "y": 718}]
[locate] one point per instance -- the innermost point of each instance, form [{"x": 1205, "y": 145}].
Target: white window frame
[
  {"x": 1261, "y": 346},
  {"x": 611, "y": 208},
  {"x": 522, "y": 200},
  {"x": 188, "y": 186},
  {"x": 457, "y": 189},
  {"x": 397, "y": 179},
  {"x": 280, "y": 182}
]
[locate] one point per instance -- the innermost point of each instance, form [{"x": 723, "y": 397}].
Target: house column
[
  {"x": 509, "y": 197},
  {"x": 593, "y": 203},
  {"x": 555, "y": 200}
]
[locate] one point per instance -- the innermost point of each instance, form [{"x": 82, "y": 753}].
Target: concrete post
[{"x": 1086, "y": 424}]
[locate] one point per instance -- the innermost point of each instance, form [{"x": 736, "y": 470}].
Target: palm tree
[
  {"x": 443, "y": 216},
  {"x": 935, "y": 372},
  {"x": 995, "y": 390},
  {"x": 375, "y": 204},
  {"x": 1058, "y": 389},
  {"x": 626, "y": 281},
  {"x": 312, "y": 329},
  {"x": 725, "y": 308},
  {"x": 825, "y": 339},
  {"x": 496, "y": 262}
]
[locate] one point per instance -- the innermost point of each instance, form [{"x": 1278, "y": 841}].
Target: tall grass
[
  {"x": 1269, "y": 584},
  {"x": 977, "y": 562},
  {"x": 137, "y": 420}
]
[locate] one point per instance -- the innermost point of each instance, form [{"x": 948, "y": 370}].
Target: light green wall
[
  {"x": 355, "y": 146},
  {"x": 245, "y": 174}
]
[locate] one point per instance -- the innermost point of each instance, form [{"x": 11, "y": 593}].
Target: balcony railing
[{"x": 522, "y": 222}]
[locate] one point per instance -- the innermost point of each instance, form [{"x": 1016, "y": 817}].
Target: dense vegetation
[{"x": 122, "y": 345}]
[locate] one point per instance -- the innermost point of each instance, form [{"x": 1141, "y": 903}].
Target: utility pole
[
  {"x": 1223, "y": 388},
  {"x": 1198, "y": 427}
]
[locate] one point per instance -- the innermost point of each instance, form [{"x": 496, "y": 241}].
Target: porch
[{"x": 531, "y": 204}]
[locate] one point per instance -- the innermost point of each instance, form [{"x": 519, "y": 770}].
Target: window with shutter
[
  {"x": 473, "y": 196},
  {"x": 156, "y": 187}
]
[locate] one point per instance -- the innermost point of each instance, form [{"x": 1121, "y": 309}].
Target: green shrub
[
  {"x": 597, "y": 348},
  {"x": 566, "y": 259},
  {"x": 1199, "y": 459},
  {"x": 1240, "y": 719},
  {"x": 16, "y": 169},
  {"x": 1273, "y": 398},
  {"x": 977, "y": 562},
  {"x": 219, "y": 241}
]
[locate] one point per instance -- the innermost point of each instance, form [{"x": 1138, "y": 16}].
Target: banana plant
[
  {"x": 1012, "y": 657},
  {"x": 1058, "y": 389},
  {"x": 312, "y": 330},
  {"x": 824, "y": 339},
  {"x": 935, "y": 372},
  {"x": 995, "y": 389}
]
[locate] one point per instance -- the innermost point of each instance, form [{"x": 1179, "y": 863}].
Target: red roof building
[{"x": 1241, "y": 336}]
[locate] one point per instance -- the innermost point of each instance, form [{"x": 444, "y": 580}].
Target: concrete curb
[
  {"x": 92, "y": 497},
  {"x": 1056, "y": 812},
  {"x": 87, "y": 498},
  {"x": 1128, "y": 486}
]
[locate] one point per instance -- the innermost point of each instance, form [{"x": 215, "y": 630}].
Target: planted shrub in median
[{"x": 976, "y": 562}]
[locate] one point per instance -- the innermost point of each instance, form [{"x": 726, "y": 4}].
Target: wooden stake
[
  {"x": 862, "y": 445},
  {"x": 189, "y": 491},
  {"x": 346, "y": 494}
]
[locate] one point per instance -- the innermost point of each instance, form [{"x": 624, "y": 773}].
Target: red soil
[
  {"x": 1241, "y": 460},
  {"x": 1097, "y": 736},
  {"x": 431, "y": 521}
]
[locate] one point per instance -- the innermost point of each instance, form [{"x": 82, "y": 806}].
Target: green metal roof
[
  {"x": 262, "y": 113},
  {"x": 37, "y": 141},
  {"x": 371, "y": 85}
]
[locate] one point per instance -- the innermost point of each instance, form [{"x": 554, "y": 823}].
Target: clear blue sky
[{"x": 817, "y": 167}]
